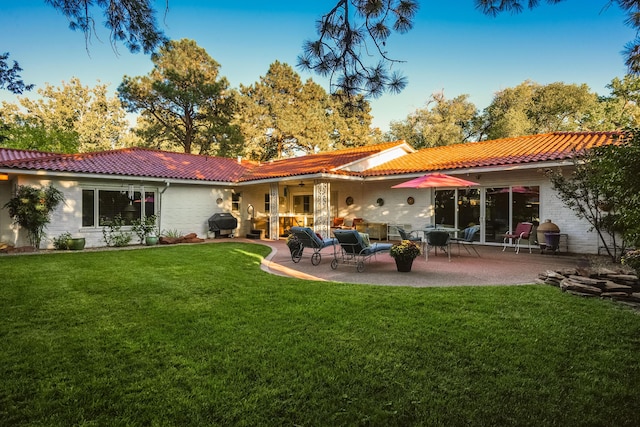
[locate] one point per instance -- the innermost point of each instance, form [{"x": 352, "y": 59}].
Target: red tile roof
[
  {"x": 327, "y": 162},
  {"x": 500, "y": 152},
  {"x": 139, "y": 162},
  {"x": 10, "y": 154},
  {"x": 143, "y": 162}
]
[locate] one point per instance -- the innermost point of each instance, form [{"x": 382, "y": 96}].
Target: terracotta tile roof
[
  {"x": 325, "y": 162},
  {"x": 143, "y": 162},
  {"x": 10, "y": 154},
  {"x": 138, "y": 162},
  {"x": 501, "y": 152}
]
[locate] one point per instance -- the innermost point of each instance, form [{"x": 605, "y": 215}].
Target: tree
[
  {"x": 84, "y": 118},
  {"x": 350, "y": 28},
  {"x": 531, "y": 108},
  {"x": 27, "y": 134},
  {"x": 183, "y": 101},
  {"x": 272, "y": 114},
  {"x": 621, "y": 108},
  {"x": 281, "y": 116},
  {"x": 352, "y": 122},
  {"x": 347, "y": 35},
  {"x": 130, "y": 21},
  {"x": 31, "y": 208},
  {"x": 10, "y": 77},
  {"x": 604, "y": 189},
  {"x": 441, "y": 122}
]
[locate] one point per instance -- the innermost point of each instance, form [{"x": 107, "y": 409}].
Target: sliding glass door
[{"x": 502, "y": 210}]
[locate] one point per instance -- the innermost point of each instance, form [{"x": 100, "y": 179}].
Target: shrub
[
  {"x": 31, "y": 208},
  {"x": 61, "y": 242},
  {"x": 113, "y": 234},
  {"x": 632, "y": 259},
  {"x": 145, "y": 227}
]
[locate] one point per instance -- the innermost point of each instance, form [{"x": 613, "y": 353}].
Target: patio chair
[
  {"x": 412, "y": 235},
  {"x": 523, "y": 231},
  {"x": 309, "y": 239},
  {"x": 438, "y": 239},
  {"x": 356, "y": 222},
  {"x": 355, "y": 250},
  {"x": 468, "y": 234}
]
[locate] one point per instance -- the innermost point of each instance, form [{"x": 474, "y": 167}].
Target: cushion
[{"x": 365, "y": 240}]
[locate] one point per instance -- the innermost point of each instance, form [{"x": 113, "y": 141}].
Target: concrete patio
[{"x": 493, "y": 267}]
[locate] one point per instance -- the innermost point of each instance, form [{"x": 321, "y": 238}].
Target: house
[{"x": 184, "y": 190}]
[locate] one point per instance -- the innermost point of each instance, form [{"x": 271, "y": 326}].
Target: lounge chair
[
  {"x": 354, "y": 249},
  {"x": 309, "y": 239},
  {"x": 468, "y": 234}
]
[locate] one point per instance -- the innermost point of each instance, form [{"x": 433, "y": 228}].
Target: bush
[
  {"x": 61, "y": 242},
  {"x": 31, "y": 208},
  {"x": 113, "y": 234},
  {"x": 145, "y": 227}
]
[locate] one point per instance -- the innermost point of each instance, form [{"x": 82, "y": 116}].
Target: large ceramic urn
[{"x": 546, "y": 227}]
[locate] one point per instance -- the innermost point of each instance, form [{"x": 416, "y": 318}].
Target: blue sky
[{"x": 453, "y": 47}]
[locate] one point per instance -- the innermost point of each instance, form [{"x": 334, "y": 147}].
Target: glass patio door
[{"x": 505, "y": 207}]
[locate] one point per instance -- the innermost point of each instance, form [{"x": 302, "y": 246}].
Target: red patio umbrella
[{"x": 433, "y": 180}]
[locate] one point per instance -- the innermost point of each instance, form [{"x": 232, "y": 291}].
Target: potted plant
[
  {"x": 295, "y": 247},
  {"x": 146, "y": 230},
  {"x": 404, "y": 253}
]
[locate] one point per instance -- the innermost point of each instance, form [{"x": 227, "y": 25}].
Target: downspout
[{"x": 166, "y": 185}]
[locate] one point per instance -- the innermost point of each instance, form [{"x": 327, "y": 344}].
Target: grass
[{"x": 199, "y": 335}]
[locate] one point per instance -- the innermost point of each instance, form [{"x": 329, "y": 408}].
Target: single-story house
[{"x": 185, "y": 190}]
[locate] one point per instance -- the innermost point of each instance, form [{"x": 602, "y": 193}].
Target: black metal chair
[
  {"x": 412, "y": 236},
  {"x": 438, "y": 239}
]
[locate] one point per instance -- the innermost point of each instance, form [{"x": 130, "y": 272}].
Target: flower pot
[
  {"x": 76, "y": 244},
  {"x": 151, "y": 240},
  {"x": 404, "y": 264}
]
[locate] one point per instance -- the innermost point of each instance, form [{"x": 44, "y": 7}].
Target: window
[
  {"x": 267, "y": 203},
  {"x": 235, "y": 202},
  {"x": 88, "y": 208},
  {"x": 100, "y": 207},
  {"x": 303, "y": 204}
]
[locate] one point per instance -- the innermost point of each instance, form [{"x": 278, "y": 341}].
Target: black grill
[{"x": 222, "y": 223}]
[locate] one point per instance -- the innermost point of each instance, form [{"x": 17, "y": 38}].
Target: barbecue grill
[{"x": 222, "y": 223}]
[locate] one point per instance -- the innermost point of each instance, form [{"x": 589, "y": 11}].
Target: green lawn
[{"x": 199, "y": 335}]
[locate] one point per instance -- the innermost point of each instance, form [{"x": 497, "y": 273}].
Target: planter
[
  {"x": 553, "y": 241},
  {"x": 404, "y": 264},
  {"x": 151, "y": 240},
  {"x": 76, "y": 244},
  {"x": 296, "y": 251}
]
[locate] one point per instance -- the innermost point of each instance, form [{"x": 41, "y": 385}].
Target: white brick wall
[{"x": 186, "y": 208}]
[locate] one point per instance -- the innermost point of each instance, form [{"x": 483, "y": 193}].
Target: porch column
[
  {"x": 322, "y": 208},
  {"x": 274, "y": 208}
]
